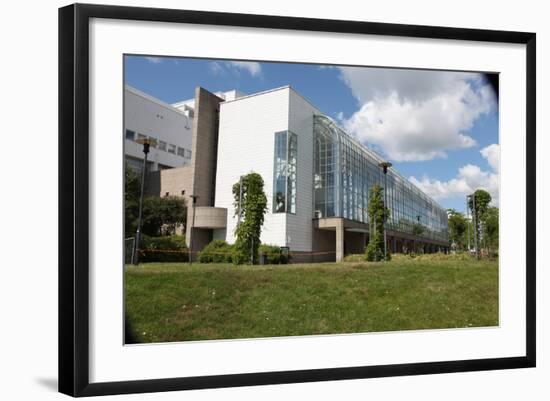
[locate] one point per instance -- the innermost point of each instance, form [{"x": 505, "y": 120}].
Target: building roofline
[
  {"x": 306, "y": 100},
  {"x": 256, "y": 94},
  {"x": 274, "y": 90},
  {"x": 146, "y": 96}
]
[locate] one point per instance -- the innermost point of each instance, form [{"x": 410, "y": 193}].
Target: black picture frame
[{"x": 74, "y": 200}]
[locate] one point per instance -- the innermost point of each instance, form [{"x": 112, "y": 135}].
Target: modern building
[
  {"x": 169, "y": 127},
  {"x": 317, "y": 178}
]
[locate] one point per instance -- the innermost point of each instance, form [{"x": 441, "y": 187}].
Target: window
[
  {"x": 153, "y": 141},
  {"x": 181, "y": 152},
  {"x": 187, "y": 153},
  {"x": 130, "y": 135},
  {"x": 141, "y": 136},
  {"x": 162, "y": 145},
  {"x": 171, "y": 148},
  {"x": 167, "y": 194},
  {"x": 183, "y": 192},
  {"x": 284, "y": 172}
]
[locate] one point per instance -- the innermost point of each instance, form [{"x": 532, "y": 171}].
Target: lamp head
[
  {"x": 385, "y": 166},
  {"x": 147, "y": 142}
]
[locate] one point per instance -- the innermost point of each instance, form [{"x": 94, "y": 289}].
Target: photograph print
[{"x": 268, "y": 199}]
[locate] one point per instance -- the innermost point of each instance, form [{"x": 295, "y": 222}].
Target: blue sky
[{"x": 440, "y": 129}]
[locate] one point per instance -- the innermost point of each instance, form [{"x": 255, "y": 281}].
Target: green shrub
[
  {"x": 356, "y": 257},
  {"x": 274, "y": 254},
  {"x": 163, "y": 249},
  {"x": 217, "y": 251},
  {"x": 375, "y": 253}
]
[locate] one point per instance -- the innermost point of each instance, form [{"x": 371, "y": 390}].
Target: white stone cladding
[{"x": 246, "y": 143}]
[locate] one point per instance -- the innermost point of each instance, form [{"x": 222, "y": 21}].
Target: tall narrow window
[{"x": 284, "y": 172}]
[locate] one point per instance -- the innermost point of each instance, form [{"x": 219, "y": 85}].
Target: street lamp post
[
  {"x": 474, "y": 223},
  {"x": 476, "y": 239},
  {"x": 146, "y": 142},
  {"x": 240, "y": 200},
  {"x": 468, "y": 219},
  {"x": 193, "y": 201},
  {"x": 385, "y": 166},
  {"x": 417, "y": 235}
]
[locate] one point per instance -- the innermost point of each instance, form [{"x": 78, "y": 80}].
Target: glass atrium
[{"x": 344, "y": 170}]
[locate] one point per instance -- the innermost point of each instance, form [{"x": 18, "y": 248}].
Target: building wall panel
[
  {"x": 246, "y": 144},
  {"x": 148, "y": 116}
]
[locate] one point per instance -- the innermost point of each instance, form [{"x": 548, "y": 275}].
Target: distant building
[
  {"x": 317, "y": 177},
  {"x": 171, "y": 128}
]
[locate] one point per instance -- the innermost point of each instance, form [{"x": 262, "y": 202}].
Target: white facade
[
  {"x": 246, "y": 144},
  {"x": 145, "y": 116}
]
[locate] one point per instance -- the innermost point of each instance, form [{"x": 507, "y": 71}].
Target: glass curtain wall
[
  {"x": 344, "y": 170},
  {"x": 284, "y": 172}
]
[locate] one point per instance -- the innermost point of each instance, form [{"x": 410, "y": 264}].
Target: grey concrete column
[{"x": 339, "y": 240}]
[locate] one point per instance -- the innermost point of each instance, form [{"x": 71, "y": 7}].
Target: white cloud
[
  {"x": 469, "y": 178},
  {"x": 154, "y": 60},
  {"x": 252, "y": 67},
  {"x": 492, "y": 154},
  {"x": 215, "y": 68},
  {"x": 416, "y": 115}
]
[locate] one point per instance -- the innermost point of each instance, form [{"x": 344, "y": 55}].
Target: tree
[
  {"x": 161, "y": 216},
  {"x": 132, "y": 186},
  {"x": 491, "y": 228},
  {"x": 250, "y": 204},
  {"x": 418, "y": 229},
  {"x": 377, "y": 215},
  {"x": 458, "y": 225},
  {"x": 478, "y": 204}
]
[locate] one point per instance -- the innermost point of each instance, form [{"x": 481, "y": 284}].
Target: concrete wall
[
  {"x": 149, "y": 116},
  {"x": 171, "y": 182},
  {"x": 246, "y": 142},
  {"x": 205, "y": 143},
  {"x": 210, "y": 217},
  {"x": 203, "y": 162}
]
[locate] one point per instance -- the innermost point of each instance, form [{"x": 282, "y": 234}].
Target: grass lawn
[{"x": 176, "y": 302}]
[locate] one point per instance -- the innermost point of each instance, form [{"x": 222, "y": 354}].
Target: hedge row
[
  {"x": 163, "y": 249},
  {"x": 174, "y": 249},
  {"x": 219, "y": 251}
]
